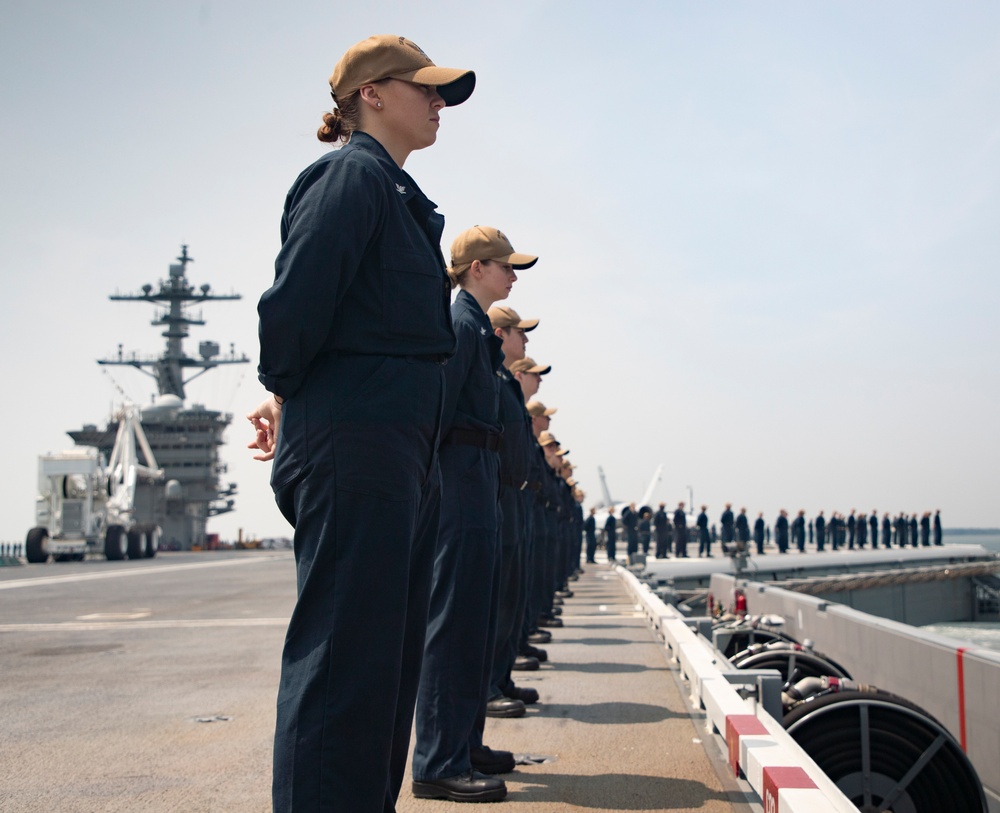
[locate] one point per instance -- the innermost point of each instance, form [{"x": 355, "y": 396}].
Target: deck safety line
[{"x": 959, "y": 654}]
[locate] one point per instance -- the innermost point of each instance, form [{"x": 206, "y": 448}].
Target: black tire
[
  {"x": 793, "y": 665},
  {"x": 744, "y": 638},
  {"x": 839, "y": 730},
  {"x": 136, "y": 543},
  {"x": 36, "y": 546},
  {"x": 115, "y": 543},
  {"x": 152, "y": 542}
]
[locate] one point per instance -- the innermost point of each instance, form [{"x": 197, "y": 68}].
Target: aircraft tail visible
[
  {"x": 657, "y": 476},
  {"x": 608, "y": 502}
]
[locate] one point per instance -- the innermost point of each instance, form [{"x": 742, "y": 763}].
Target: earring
[{"x": 378, "y": 105}]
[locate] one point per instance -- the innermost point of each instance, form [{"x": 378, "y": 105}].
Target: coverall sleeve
[{"x": 332, "y": 216}]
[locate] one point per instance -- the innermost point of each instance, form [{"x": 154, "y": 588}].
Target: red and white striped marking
[
  {"x": 772, "y": 770},
  {"x": 737, "y": 727},
  {"x": 779, "y": 779}
]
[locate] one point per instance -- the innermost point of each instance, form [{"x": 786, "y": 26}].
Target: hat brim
[
  {"x": 519, "y": 261},
  {"x": 453, "y": 84}
]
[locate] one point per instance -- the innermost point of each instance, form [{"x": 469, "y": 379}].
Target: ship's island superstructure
[{"x": 185, "y": 439}]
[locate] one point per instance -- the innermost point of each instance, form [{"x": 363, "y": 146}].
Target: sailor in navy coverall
[
  {"x": 462, "y": 626},
  {"x": 354, "y": 333},
  {"x": 610, "y": 534},
  {"x": 515, "y": 469}
]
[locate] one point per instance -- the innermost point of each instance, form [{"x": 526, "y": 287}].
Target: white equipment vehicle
[{"x": 85, "y": 505}]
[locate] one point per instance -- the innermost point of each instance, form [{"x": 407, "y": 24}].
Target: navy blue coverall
[
  {"x": 610, "y": 537},
  {"x": 781, "y": 533},
  {"x": 462, "y": 624},
  {"x": 799, "y": 533},
  {"x": 680, "y": 533},
  {"x": 353, "y": 333},
  {"x": 758, "y": 535},
  {"x": 727, "y": 522},
  {"x": 590, "y": 531},
  {"x": 742, "y": 525},
  {"x": 518, "y": 446}
]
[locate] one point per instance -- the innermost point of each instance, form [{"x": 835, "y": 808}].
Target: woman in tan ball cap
[{"x": 354, "y": 333}]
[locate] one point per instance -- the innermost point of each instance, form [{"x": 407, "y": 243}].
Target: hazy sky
[{"x": 769, "y": 231}]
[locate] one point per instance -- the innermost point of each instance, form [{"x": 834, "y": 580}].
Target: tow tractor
[{"x": 86, "y": 505}]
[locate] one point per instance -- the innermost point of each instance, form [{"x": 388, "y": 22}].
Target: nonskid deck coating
[
  {"x": 150, "y": 686},
  {"x": 612, "y": 724}
]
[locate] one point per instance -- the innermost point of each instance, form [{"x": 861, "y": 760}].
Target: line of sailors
[
  {"x": 510, "y": 531},
  {"x": 640, "y": 527},
  {"x": 858, "y": 530}
]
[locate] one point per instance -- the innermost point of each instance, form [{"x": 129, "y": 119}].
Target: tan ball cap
[
  {"x": 502, "y": 316},
  {"x": 486, "y": 243},
  {"x": 536, "y": 409},
  {"x": 546, "y": 438},
  {"x": 387, "y": 56},
  {"x": 529, "y": 365}
]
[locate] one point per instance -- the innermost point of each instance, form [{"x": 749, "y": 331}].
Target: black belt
[
  {"x": 474, "y": 437},
  {"x": 436, "y": 358}
]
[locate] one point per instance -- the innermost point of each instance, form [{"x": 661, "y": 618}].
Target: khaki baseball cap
[
  {"x": 486, "y": 243},
  {"x": 536, "y": 409},
  {"x": 503, "y": 316},
  {"x": 529, "y": 365},
  {"x": 387, "y": 56},
  {"x": 546, "y": 438}
]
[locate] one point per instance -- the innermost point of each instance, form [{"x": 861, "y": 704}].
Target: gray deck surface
[{"x": 107, "y": 671}]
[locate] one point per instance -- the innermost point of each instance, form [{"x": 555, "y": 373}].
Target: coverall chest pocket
[{"x": 413, "y": 293}]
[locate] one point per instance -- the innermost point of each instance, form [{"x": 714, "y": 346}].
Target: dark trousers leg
[
  {"x": 352, "y": 652},
  {"x": 509, "y": 596},
  {"x": 461, "y": 626},
  {"x": 508, "y": 618}
]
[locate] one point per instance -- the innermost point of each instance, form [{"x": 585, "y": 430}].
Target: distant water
[
  {"x": 981, "y": 634},
  {"x": 988, "y": 538}
]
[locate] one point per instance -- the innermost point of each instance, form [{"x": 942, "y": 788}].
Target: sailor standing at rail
[
  {"x": 704, "y": 539},
  {"x": 799, "y": 531},
  {"x": 353, "y": 334},
  {"x": 529, "y": 376},
  {"x": 645, "y": 529},
  {"x": 861, "y": 528},
  {"x": 873, "y": 524},
  {"x": 726, "y": 521},
  {"x": 515, "y": 462},
  {"x": 661, "y": 528},
  {"x": 680, "y": 532},
  {"x": 451, "y": 703},
  {"x": 590, "y": 531},
  {"x": 914, "y": 529},
  {"x": 886, "y": 531},
  {"x": 820, "y": 532},
  {"x": 742, "y": 529},
  {"x": 781, "y": 531},
  {"x": 536, "y": 494},
  {"x": 925, "y": 529},
  {"x": 937, "y": 527},
  {"x": 758, "y": 533},
  {"x": 631, "y": 521},
  {"x": 611, "y": 535}
]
